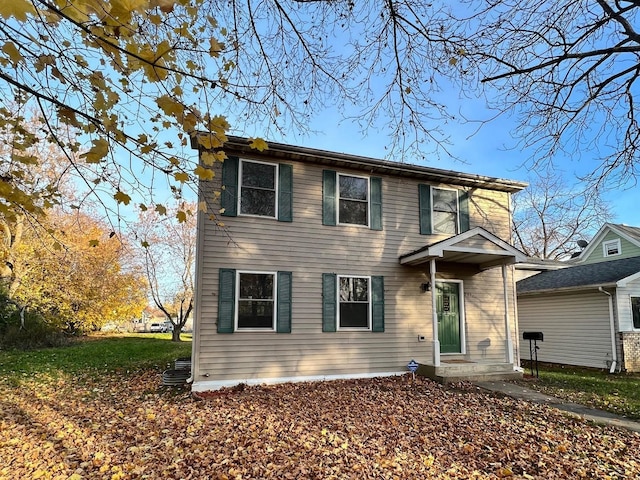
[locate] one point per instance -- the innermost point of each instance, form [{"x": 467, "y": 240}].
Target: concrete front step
[{"x": 468, "y": 371}]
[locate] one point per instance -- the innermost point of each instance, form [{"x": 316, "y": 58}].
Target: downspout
[{"x": 614, "y": 351}]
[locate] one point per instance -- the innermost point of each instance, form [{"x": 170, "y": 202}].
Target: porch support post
[
  {"x": 434, "y": 315},
  {"x": 507, "y": 321}
]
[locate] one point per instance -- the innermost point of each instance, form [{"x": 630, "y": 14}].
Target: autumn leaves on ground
[{"x": 121, "y": 425}]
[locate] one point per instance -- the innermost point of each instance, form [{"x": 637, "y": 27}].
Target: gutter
[{"x": 614, "y": 354}]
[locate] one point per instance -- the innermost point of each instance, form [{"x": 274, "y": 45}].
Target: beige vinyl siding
[
  {"x": 308, "y": 249},
  {"x": 627, "y": 249},
  {"x": 576, "y": 328}
]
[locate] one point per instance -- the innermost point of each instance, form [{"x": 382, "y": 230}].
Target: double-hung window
[
  {"x": 353, "y": 296},
  {"x": 352, "y": 302},
  {"x": 251, "y": 301},
  {"x": 258, "y": 188},
  {"x": 256, "y": 301},
  {"x": 443, "y": 210},
  {"x": 353, "y": 200}
]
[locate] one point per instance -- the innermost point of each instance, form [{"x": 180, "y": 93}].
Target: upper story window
[
  {"x": 258, "y": 188},
  {"x": 445, "y": 211},
  {"x": 353, "y": 200},
  {"x": 611, "y": 248}
]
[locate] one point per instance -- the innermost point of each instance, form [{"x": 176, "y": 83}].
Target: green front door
[{"x": 448, "y": 309}]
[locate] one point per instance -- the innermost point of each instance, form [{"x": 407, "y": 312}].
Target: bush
[{"x": 36, "y": 332}]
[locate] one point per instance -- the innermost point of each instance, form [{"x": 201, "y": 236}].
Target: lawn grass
[
  {"x": 616, "y": 393},
  {"x": 95, "y": 355}
]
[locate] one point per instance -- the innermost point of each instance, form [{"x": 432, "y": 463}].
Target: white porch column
[
  {"x": 434, "y": 315},
  {"x": 507, "y": 322}
]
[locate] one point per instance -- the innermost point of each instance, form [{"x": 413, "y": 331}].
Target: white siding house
[
  {"x": 326, "y": 265},
  {"x": 588, "y": 313}
]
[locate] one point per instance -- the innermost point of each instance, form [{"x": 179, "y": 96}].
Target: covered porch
[{"x": 475, "y": 250}]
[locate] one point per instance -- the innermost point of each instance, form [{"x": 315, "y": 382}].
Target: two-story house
[
  {"x": 333, "y": 266},
  {"x": 589, "y": 310}
]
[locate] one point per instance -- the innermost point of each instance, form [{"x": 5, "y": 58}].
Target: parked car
[{"x": 157, "y": 327}]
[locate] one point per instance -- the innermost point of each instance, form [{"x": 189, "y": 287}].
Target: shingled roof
[{"x": 590, "y": 275}]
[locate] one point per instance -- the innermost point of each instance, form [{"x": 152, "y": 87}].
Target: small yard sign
[{"x": 412, "y": 366}]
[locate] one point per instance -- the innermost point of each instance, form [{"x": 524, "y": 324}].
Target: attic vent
[{"x": 611, "y": 248}]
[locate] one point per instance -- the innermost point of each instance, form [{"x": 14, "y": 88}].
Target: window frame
[
  {"x": 633, "y": 322},
  {"x": 339, "y": 327},
  {"x": 274, "y": 300},
  {"x": 433, "y": 211},
  {"x": 368, "y": 201},
  {"x": 616, "y": 242},
  {"x": 241, "y": 186}
]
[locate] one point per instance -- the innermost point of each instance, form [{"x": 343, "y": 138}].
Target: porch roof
[{"x": 476, "y": 246}]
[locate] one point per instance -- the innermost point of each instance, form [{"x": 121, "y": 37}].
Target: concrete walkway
[{"x": 524, "y": 393}]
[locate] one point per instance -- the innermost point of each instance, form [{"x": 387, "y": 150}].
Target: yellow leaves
[
  {"x": 258, "y": 144},
  {"x": 123, "y": 10},
  {"x": 94, "y": 243},
  {"x": 202, "y": 206},
  {"x": 204, "y": 173},
  {"x": 218, "y": 124},
  {"x": 12, "y": 52},
  {"x": 96, "y": 153},
  {"x": 181, "y": 177},
  {"x": 122, "y": 197},
  {"x": 211, "y": 141},
  {"x": 181, "y": 216},
  {"x": 170, "y": 106},
  {"x": 161, "y": 209},
  {"x": 215, "y": 48},
  {"x": 209, "y": 158},
  {"x": 19, "y": 9}
]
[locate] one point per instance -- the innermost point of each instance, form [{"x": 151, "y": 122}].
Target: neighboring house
[
  {"x": 588, "y": 312},
  {"x": 612, "y": 242},
  {"x": 328, "y": 266}
]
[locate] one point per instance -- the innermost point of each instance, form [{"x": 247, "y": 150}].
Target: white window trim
[
  {"x": 369, "y": 309},
  {"x": 615, "y": 242},
  {"x": 631, "y": 297},
  {"x": 368, "y": 179},
  {"x": 237, "y": 301},
  {"x": 277, "y": 185},
  {"x": 433, "y": 227}
]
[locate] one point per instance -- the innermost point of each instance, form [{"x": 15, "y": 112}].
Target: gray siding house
[
  {"x": 589, "y": 311},
  {"x": 324, "y": 265}
]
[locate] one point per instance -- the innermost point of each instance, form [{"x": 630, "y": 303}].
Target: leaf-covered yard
[{"x": 128, "y": 426}]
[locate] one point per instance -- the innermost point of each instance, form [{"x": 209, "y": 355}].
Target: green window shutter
[
  {"x": 377, "y": 304},
  {"x": 229, "y": 195},
  {"x": 424, "y": 196},
  {"x": 376, "y": 203},
  {"x": 463, "y": 204},
  {"x": 226, "y": 300},
  {"x": 329, "y": 300},
  {"x": 283, "y": 320},
  {"x": 328, "y": 197},
  {"x": 285, "y": 193}
]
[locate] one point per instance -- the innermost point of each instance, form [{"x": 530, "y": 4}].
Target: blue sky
[{"x": 491, "y": 151}]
